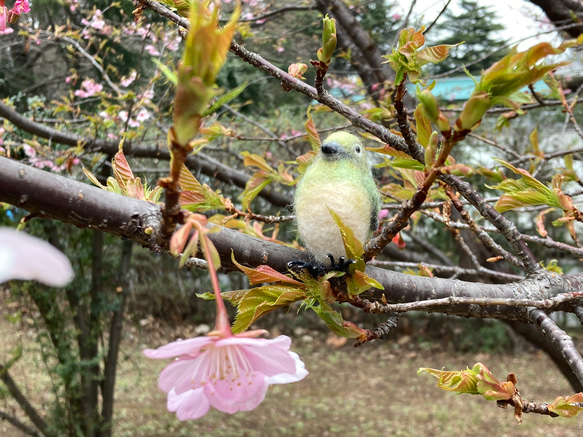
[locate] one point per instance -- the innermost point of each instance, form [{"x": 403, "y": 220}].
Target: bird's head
[{"x": 342, "y": 145}]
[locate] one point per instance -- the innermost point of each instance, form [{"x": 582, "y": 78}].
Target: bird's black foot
[
  {"x": 315, "y": 270},
  {"x": 342, "y": 265}
]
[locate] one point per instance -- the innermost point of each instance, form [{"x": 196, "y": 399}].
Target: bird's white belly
[{"x": 317, "y": 228}]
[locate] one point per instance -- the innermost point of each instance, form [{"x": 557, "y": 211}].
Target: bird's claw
[
  {"x": 318, "y": 270},
  {"x": 315, "y": 270},
  {"x": 342, "y": 265}
]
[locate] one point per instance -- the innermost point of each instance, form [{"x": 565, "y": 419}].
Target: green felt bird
[{"x": 339, "y": 179}]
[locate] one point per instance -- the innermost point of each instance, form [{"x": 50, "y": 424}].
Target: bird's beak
[{"x": 332, "y": 150}]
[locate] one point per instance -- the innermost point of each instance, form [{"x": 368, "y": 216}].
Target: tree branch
[
  {"x": 199, "y": 162},
  {"x": 28, "y": 409},
  {"x": 19, "y": 425},
  {"x": 561, "y": 340},
  {"x": 52, "y": 196}
]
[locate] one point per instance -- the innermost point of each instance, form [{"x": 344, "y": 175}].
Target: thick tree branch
[
  {"x": 561, "y": 340},
  {"x": 52, "y": 196}
]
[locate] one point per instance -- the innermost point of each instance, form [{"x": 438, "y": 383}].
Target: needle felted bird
[{"x": 339, "y": 179}]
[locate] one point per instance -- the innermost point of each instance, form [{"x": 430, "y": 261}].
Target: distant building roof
[{"x": 461, "y": 87}]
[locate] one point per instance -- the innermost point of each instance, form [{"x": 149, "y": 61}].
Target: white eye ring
[{"x": 357, "y": 149}]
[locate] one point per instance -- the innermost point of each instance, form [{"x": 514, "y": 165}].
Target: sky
[{"x": 515, "y": 15}]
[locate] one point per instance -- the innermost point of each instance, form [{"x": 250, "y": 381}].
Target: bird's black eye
[{"x": 357, "y": 149}]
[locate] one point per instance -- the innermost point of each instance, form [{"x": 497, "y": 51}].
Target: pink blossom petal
[
  {"x": 192, "y": 404},
  {"x": 178, "y": 375},
  {"x": 236, "y": 340},
  {"x": 270, "y": 361},
  {"x": 246, "y": 400},
  {"x": 3, "y": 14},
  {"x": 233, "y": 390},
  {"x": 191, "y": 346},
  {"x": 25, "y": 257},
  {"x": 286, "y": 378}
]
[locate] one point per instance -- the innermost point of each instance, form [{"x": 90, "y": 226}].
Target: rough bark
[{"x": 53, "y": 196}]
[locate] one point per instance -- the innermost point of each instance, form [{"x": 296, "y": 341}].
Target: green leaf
[
  {"x": 407, "y": 163},
  {"x": 519, "y": 199},
  {"x": 261, "y": 300},
  {"x": 171, "y": 75},
  {"x": 256, "y": 183},
  {"x": 337, "y": 324},
  {"x": 567, "y": 407},
  {"x": 264, "y": 273},
  {"x": 225, "y": 98},
  {"x": 463, "y": 381},
  {"x": 490, "y": 388},
  {"x": 196, "y": 197},
  {"x": 352, "y": 245}
]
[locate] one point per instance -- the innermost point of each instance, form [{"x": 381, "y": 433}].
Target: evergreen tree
[{"x": 477, "y": 26}]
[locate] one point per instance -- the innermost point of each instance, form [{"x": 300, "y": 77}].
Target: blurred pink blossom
[
  {"x": 396, "y": 17},
  {"x": 21, "y": 7},
  {"x": 3, "y": 15},
  {"x": 143, "y": 115},
  {"x": 153, "y": 51},
  {"x": 124, "y": 117},
  {"x": 25, "y": 257},
  {"x": 127, "y": 80},
  {"x": 383, "y": 214},
  {"x": 11, "y": 16},
  {"x": 96, "y": 21},
  {"x": 29, "y": 151},
  {"x": 147, "y": 96},
  {"x": 88, "y": 88},
  {"x": 172, "y": 42}
]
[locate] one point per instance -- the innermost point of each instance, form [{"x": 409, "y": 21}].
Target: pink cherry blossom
[
  {"x": 12, "y": 15},
  {"x": 88, "y": 89},
  {"x": 152, "y": 51},
  {"x": 230, "y": 374},
  {"x": 3, "y": 15},
  {"x": 143, "y": 115},
  {"x": 25, "y": 257},
  {"x": 21, "y": 7},
  {"x": 127, "y": 80}
]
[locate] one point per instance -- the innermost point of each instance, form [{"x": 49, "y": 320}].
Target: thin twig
[
  {"x": 483, "y": 236},
  {"x": 430, "y": 304},
  {"x": 497, "y": 145},
  {"x": 438, "y": 268},
  {"x": 405, "y": 22},
  {"x": 260, "y": 127},
  {"x": 437, "y": 18},
  {"x": 93, "y": 62}
]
